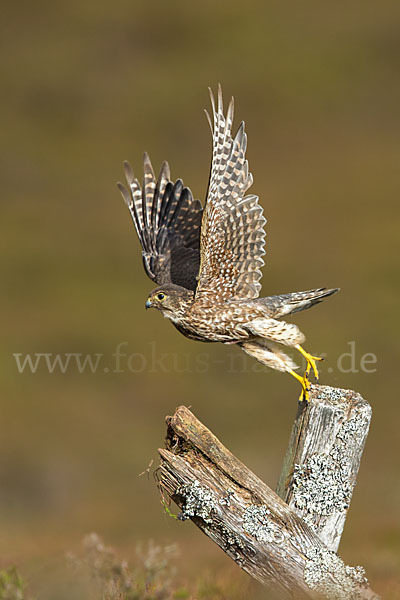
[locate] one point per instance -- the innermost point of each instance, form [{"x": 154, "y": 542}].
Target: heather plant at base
[{"x": 150, "y": 579}]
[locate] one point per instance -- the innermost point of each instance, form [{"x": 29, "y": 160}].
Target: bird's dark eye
[{"x": 160, "y": 296}]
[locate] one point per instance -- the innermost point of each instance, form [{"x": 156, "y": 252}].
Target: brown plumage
[{"x": 207, "y": 261}]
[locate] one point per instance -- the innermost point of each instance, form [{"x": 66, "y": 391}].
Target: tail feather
[{"x": 287, "y": 304}]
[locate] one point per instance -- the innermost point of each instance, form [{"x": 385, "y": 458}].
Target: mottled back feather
[{"x": 232, "y": 231}]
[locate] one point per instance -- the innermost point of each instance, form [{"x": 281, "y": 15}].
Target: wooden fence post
[{"x": 323, "y": 458}]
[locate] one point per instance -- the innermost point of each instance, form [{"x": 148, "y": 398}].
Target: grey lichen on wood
[
  {"x": 323, "y": 458},
  {"x": 321, "y": 563},
  {"x": 246, "y": 518}
]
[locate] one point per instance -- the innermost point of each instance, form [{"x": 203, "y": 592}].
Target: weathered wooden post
[
  {"x": 264, "y": 535},
  {"x": 323, "y": 458}
]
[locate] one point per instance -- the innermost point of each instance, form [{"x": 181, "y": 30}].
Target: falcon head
[{"x": 172, "y": 300}]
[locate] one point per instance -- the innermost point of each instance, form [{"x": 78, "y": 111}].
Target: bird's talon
[
  {"x": 311, "y": 362},
  {"x": 305, "y": 395},
  {"x": 305, "y": 389}
]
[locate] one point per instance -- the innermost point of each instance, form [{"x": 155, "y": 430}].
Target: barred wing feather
[
  {"x": 167, "y": 220},
  {"x": 232, "y": 231}
]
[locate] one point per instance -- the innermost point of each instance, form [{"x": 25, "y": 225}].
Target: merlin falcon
[{"x": 206, "y": 260}]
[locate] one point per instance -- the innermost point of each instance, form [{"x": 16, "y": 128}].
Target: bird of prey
[{"x": 206, "y": 261}]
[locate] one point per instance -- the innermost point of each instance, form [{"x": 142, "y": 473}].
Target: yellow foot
[
  {"x": 305, "y": 386},
  {"x": 311, "y": 362}
]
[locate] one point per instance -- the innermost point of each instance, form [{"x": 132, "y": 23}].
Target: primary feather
[
  {"x": 167, "y": 220},
  {"x": 232, "y": 231}
]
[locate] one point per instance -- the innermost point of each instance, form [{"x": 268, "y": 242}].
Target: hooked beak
[{"x": 148, "y": 303}]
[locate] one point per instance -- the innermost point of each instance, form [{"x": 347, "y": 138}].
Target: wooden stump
[{"x": 249, "y": 521}]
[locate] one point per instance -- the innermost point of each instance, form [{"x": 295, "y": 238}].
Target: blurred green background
[{"x": 87, "y": 85}]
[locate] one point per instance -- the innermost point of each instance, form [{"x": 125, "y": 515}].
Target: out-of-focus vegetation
[
  {"x": 97, "y": 571},
  {"x": 86, "y": 85},
  {"x": 11, "y": 584},
  {"x": 153, "y": 575},
  {"x": 115, "y": 580}
]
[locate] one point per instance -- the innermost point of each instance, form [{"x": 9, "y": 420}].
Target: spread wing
[
  {"x": 167, "y": 220},
  {"x": 232, "y": 231}
]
